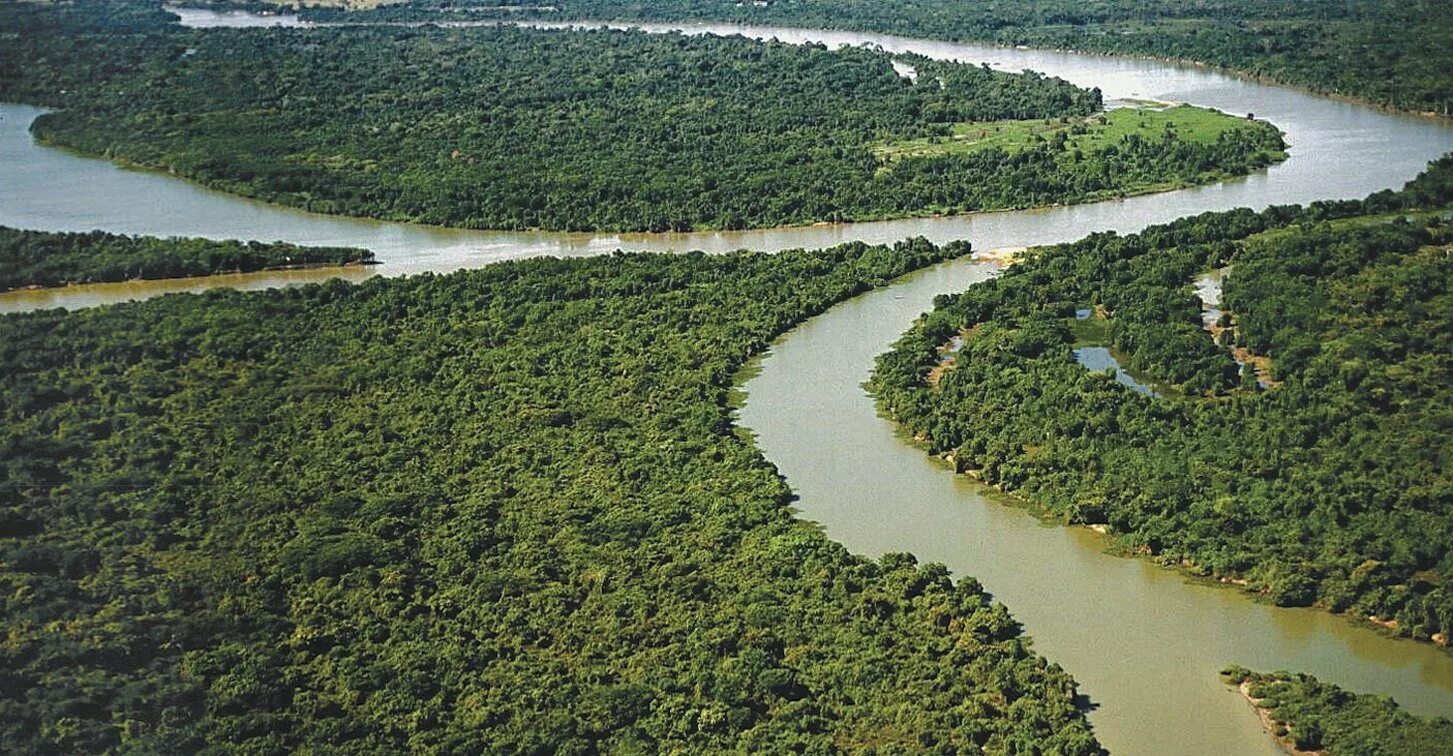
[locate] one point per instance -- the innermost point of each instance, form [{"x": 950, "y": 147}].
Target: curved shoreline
[
  {"x": 1145, "y": 643},
  {"x": 220, "y": 188},
  {"x": 1239, "y": 73},
  {"x": 1269, "y": 724},
  {"x": 1112, "y": 545},
  {"x": 235, "y": 274},
  {"x": 1259, "y": 160},
  {"x": 1134, "y": 634},
  {"x": 524, "y": 18},
  {"x": 1285, "y": 182}
]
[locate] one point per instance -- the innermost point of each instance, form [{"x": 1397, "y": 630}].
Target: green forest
[
  {"x": 43, "y": 258},
  {"x": 510, "y": 509},
  {"x": 1330, "y": 488},
  {"x": 516, "y": 128},
  {"x": 1395, "y": 54},
  {"x": 502, "y": 510},
  {"x": 1315, "y": 716}
]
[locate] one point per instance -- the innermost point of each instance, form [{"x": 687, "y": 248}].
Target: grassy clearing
[
  {"x": 352, "y": 5},
  {"x": 1415, "y": 217},
  {"x": 1091, "y": 331},
  {"x": 1189, "y": 123},
  {"x": 1094, "y": 331}
]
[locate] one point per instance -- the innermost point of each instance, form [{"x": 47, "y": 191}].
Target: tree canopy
[
  {"x": 1332, "y": 487},
  {"x": 518, "y": 128},
  {"x": 44, "y": 258},
  {"x": 502, "y": 510},
  {"x": 1312, "y": 715},
  {"x": 1389, "y": 53}
]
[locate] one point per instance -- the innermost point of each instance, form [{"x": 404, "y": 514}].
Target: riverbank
[
  {"x": 237, "y": 190},
  {"x": 218, "y": 275},
  {"x": 1307, "y": 717},
  {"x": 873, "y": 489},
  {"x": 1088, "y": 611},
  {"x": 555, "y": 17},
  {"x": 1137, "y": 37},
  {"x": 36, "y": 260},
  {"x": 1274, "y": 729},
  {"x": 1247, "y": 76},
  {"x": 1203, "y": 487}
]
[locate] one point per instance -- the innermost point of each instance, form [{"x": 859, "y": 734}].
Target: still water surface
[
  {"x": 1144, "y": 642},
  {"x": 1099, "y": 358},
  {"x": 1338, "y": 150}
]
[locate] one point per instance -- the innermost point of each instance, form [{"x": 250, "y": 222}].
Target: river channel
[{"x": 1144, "y": 642}]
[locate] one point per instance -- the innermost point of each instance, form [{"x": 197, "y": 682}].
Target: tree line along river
[{"x": 1144, "y": 642}]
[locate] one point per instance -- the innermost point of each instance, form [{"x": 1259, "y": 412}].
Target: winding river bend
[{"x": 1144, "y": 642}]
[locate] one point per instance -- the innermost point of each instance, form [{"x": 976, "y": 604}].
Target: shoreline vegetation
[
  {"x": 1305, "y": 288},
  {"x": 503, "y": 509},
  {"x": 1269, "y": 724},
  {"x": 1306, "y": 716},
  {"x": 643, "y": 132},
  {"x": 508, "y": 509},
  {"x": 45, "y": 259},
  {"x": 1385, "y": 54}
]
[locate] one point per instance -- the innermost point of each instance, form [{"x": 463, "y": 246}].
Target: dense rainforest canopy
[
  {"x": 580, "y": 129},
  {"x": 502, "y": 510},
  {"x": 1334, "y": 487},
  {"x": 1317, "y": 716},
  {"x": 43, "y": 258},
  {"x": 1396, "y": 53}
]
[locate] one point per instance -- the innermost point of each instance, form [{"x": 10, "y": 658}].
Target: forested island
[
  {"x": 507, "y": 510},
  {"x": 1329, "y": 488},
  {"x": 1312, "y": 716},
  {"x": 516, "y": 128},
  {"x": 502, "y": 510},
  {"x": 44, "y": 258},
  {"x": 1395, "y": 54}
]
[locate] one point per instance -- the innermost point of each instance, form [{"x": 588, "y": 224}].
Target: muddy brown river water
[{"x": 1144, "y": 642}]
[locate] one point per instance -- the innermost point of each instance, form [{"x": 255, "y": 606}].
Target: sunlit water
[
  {"x": 1339, "y": 150},
  {"x": 1144, "y": 643},
  {"x": 1099, "y": 358}
]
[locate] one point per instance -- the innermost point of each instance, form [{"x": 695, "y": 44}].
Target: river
[{"x": 1144, "y": 642}]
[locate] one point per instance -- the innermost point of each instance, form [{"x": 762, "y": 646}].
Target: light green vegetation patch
[
  {"x": 1089, "y": 134},
  {"x": 578, "y": 130},
  {"x": 1097, "y": 331},
  {"x": 1091, "y": 331},
  {"x": 1356, "y": 223}
]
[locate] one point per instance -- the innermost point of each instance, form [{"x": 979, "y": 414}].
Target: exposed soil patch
[{"x": 947, "y": 354}]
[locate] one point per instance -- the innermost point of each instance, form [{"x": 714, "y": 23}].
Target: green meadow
[{"x": 1087, "y": 134}]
